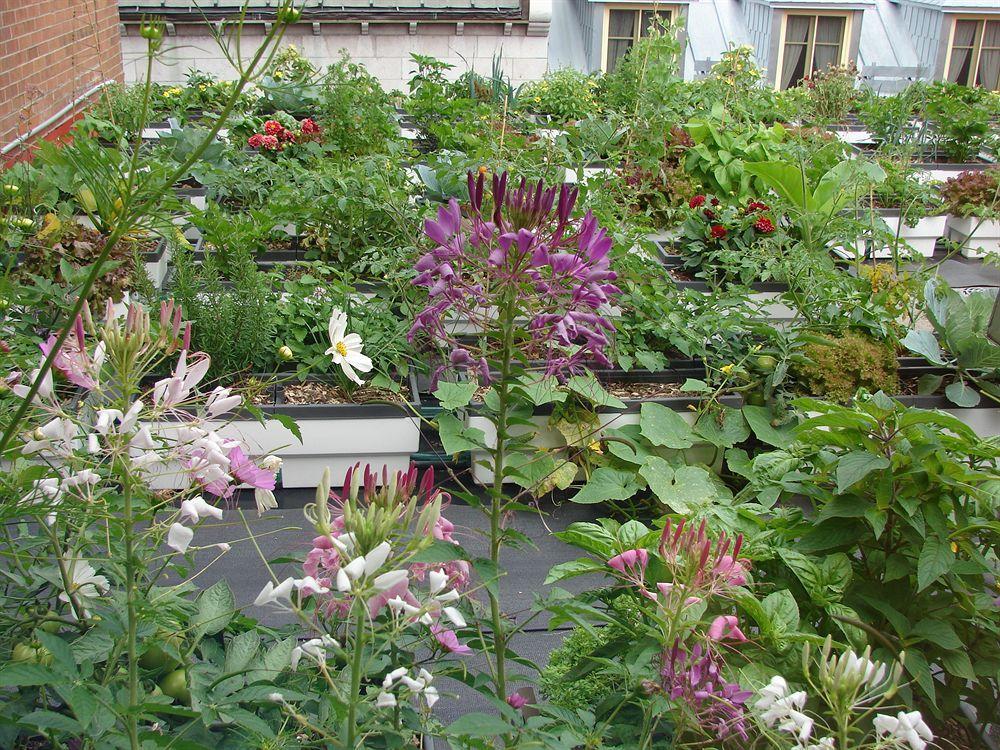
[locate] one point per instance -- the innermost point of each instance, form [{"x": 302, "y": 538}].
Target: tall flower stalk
[{"x": 536, "y": 282}]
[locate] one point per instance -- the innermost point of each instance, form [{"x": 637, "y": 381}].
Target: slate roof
[{"x": 317, "y": 10}]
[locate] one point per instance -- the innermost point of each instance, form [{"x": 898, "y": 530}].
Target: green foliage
[
  {"x": 900, "y": 538},
  {"x": 973, "y": 193},
  {"x": 838, "y": 366},
  {"x": 647, "y": 76},
  {"x": 354, "y": 110},
  {"x": 720, "y": 154},
  {"x": 959, "y": 118},
  {"x": 563, "y": 95}
]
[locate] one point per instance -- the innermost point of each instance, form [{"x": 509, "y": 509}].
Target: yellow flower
[
  {"x": 954, "y": 547},
  {"x": 727, "y": 369},
  {"x": 595, "y": 446},
  {"x": 538, "y": 98}
]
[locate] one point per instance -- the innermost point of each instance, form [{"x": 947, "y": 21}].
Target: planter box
[
  {"x": 157, "y": 262},
  {"x": 922, "y": 238},
  {"x": 979, "y": 237},
  {"x": 341, "y": 435},
  {"x": 334, "y": 436},
  {"x": 943, "y": 171},
  {"x": 548, "y": 437}
]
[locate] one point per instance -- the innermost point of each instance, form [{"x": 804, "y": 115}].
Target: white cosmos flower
[
  {"x": 906, "y": 727},
  {"x": 345, "y": 348},
  {"x": 179, "y": 537},
  {"x": 385, "y": 700}
]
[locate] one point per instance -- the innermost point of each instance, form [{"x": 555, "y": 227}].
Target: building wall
[
  {"x": 385, "y": 49},
  {"x": 569, "y": 36},
  {"x": 759, "y": 20},
  {"x": 925, "y": 26},
  {"x": 51, "y": 52}
]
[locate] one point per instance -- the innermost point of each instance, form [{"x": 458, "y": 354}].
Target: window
[
  {"x": 624, "y": 27},
  {"x": 811, "y": 44},
  {"x": 974, "y": 57}
]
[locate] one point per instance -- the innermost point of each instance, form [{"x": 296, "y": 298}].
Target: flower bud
[
  {"x": 11, "y": 190},
  {"x": 87, "y": 200},
  {"x": 285, "y": 353},
  {"x": 289, "y": 14}
]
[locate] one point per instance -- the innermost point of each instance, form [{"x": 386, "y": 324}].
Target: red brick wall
[{"x": 51, "y": 52}]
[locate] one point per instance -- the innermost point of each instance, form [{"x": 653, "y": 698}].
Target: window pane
[
  {"x": 824, "y": 56},
  {"x": 793, "y": 68},
  {"x": 960, "y": 66},
  {"x": 991, "y": 37},
  {"x": 648, "y": 17},
  {"x": 965, "y": 33},
  {"x": 830, "y": 29},
  {"x": 616, "y": 51},
  {"x": 797, "y": 29},
  {"x": 622, "y": 24},
  {"x": 989, "y": 69}
]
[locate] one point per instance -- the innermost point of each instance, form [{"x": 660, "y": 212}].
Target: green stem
[
  {"x": 132, "y": 719},
  {"x": 355, "y": 696}
]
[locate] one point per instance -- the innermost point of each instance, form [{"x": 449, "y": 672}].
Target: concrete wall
[
  {"x": 51, "y": 52},
  {"x": 385, "y": 49}
]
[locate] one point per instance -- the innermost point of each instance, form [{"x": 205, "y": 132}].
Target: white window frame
[
  {"x": 815, "y": 14},
  {"x": 636, "y": 8},
  {"x": 977, "y": 44}
]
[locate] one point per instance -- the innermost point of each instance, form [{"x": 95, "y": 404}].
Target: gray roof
[
  {"x": 959, "y": 6},
  {"x": 317, "y": 10}
]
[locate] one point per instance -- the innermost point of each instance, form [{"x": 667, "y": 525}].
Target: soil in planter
[
  {"x": 639, "y": 391},
  {"x": 297, "y": 394},
  {"x": 678, "y": 275}
]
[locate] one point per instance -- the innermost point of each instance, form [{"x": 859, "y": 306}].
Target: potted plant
[
  {"x": 972, "y": 200},
  {"x": 909, "y": 213}
]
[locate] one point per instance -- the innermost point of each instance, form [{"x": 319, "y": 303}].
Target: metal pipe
[{"x": 57, "y": 117}]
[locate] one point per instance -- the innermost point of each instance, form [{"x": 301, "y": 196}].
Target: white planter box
[
  {"x": 985, "y": 421},
  {"x": 980, "y": 237},
  {"x": 921, "y": 238}
]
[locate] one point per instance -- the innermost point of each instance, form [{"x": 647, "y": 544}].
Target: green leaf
[
  {"x": 917, "y": 666},
  {"x": 51, "y": 720},
  {"x": 958, "y": 664},
  {"x": 961, "y": 394},
  {"x": 936, "y": 559},
  {"x": 440, "y": 551},
  {"x": 723, "y": 427},
  {"x": 216, "y": 607},
  {"x": 288, "y": 423},
  {"x": 83, "y": 703},
  {"x": 664, "y": 427},
  {"x": 455, "y": 395},
  {"x": 478, "y": 724},
  {"x": 693, "y": 385},
  {"x": 543, "y": 391},
  {"x": 607, "y": 484},
  {"x": 572, "y": 568},
  {"x": 759, "y": 418},
  {"x": 782, "y": 611},
  {"x": 456, "y": 437},
  {"x": 855, "y": 466},
  {"x": 938, "y": 632},
  {"x": 241, "y": 650},
  {"x": 488, "y": 573},
  {"x": 925, "y": 344},
  {"x": 589, "y": 388},
  {"x": 590, "y": 537},
  {"x": 685, "y": 489},
  {"x": 17, "y": 674}
]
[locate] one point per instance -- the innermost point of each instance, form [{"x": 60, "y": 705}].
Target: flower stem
[{"x": 355, "y": 696}]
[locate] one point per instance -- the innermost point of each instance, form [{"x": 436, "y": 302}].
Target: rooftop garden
[{"x": 737, "y": 324}]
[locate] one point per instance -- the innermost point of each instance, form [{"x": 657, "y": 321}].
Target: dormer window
[
  {"x": 810, "y": 43},
  {"x": 974, "y": 53},
  {"x": 626, "y": 25}
]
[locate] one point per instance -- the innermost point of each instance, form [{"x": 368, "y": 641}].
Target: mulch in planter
[
  {"x": 639, "y": 390},
  {"x": 298, "y": 394}
]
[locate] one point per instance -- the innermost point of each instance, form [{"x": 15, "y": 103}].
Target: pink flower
[
  {"x": 72, "y": 359},
  {"x": 402, "y": 591},
  {"x": 733, "y": 571},
  {"x": 629, "y": 560},
  {"x": 449, "y": 641},
  {"x": 255, "y": 141},
  {"x": 273, "y": 127},
  {"x": 248, "y": 472},
  {"x": 270, "y": 142},
  {"x": 726, "y": 626},
  {"x": 517, "y": 701}
]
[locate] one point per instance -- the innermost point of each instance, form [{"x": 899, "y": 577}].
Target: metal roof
[
  {"x": 957, "y": 6},
  {"x": 318, "y": 10}
]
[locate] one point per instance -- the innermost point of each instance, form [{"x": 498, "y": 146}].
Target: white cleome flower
[
  {"x": 84, "y": 582},
  {"x": 195, "y": 508},
  {"x": 272, "y": 594},
  {"x": 345, "y": 348},
  {"x": 264, "y": 499},
  {"x": 905, "y": 727},
  {"x": 179, "y": 537}
]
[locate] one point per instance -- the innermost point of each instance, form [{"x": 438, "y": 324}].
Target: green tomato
[
  {"x": 755, "y": 398},
  {"x": 156, "y": 658},
  {"x": 22, "y": 652},
  {"x": 175, "y": 686},
  {"x": 766, "y": 363}
]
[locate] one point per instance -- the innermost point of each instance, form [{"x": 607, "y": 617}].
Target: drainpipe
[{"x": 54, "y": 119}]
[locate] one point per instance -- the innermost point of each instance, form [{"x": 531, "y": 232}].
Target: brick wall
[{"x": 51, "y": 52}]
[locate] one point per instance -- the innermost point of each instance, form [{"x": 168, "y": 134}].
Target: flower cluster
[
  {"x": 277, "y": 135},
  {"x": 696, "y": 678},
  {"x": 717, "y": 221},
  {"x": 522, "y": 256}
]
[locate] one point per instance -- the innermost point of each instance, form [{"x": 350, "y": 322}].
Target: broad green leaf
[
  {"x": 589, "y": 388},
  {"x": 684, "y": 490},
  {"x": 782, "y": 611},
  {"x": 51, "y": 720},
  {"x": 855, "y": 466},
  {"x": 759, "y": 418},
  {"x": 241, "y": 650},
  {"x": 961, "y": 394},
  {"x": 455, "y": 395},
  {"x": 456, "y": 437},
  {"x": 572, "y": 568},
  {"x": 216, "y": 607},
  {"x": 607, "y": 484},
  {"x": 476, "y": 724},
  {"x": 664, "y": 427},
  {"x": 938, "y": 632},
  {"x": 17, "y": 674},
  {"x": 936, "y": 558},
  {"x": 542, "y": 391},
  {"x": 925, "y": 344},
  {"x": 723, "y": 427}
]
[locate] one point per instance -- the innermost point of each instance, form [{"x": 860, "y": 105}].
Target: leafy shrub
[
  {"x": 646, "y": 78},
  {"x": 959, "y": 118},
  {"x": 840, "y": 365},
  {"x": 355, "y": 112},
  {"x": 564, "y": 95},
  {"x": 832, "y": 92}
]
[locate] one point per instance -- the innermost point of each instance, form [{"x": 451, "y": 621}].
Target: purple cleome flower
[{"x": 528, "y": 255}]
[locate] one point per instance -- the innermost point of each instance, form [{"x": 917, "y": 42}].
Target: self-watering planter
[
  {"x": 978, "y": 237},
  {"x": 984, "y": 418},
  {"x": 547, "y": 436},
  {"x": 340, "y": 435},
  {"x": 921, "y": 238}
]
